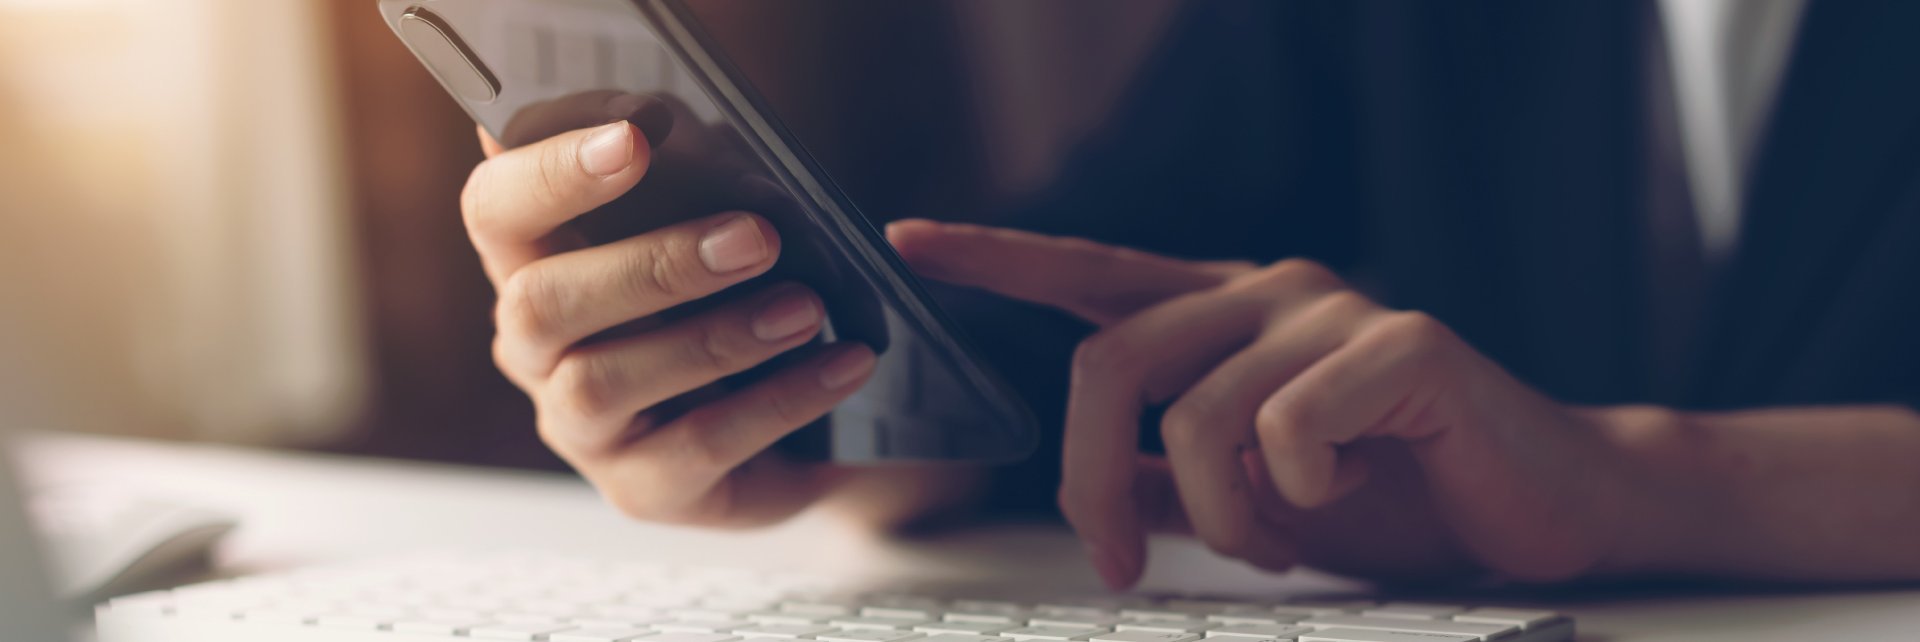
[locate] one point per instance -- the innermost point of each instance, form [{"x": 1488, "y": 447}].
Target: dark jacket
[{"x": 1492, "y": 163}]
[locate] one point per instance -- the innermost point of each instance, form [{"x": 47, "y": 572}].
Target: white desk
[{"x": 299, "y": 509}]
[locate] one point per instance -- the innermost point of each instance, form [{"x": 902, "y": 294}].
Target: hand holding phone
[
  {"x": 623, "y": 389},
  {"x": 689, "y": 264}
]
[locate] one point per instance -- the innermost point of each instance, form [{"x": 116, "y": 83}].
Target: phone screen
[{"x": 530, "y": 69}]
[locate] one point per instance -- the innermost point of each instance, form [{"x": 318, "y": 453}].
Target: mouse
[{"x": 102, "y": 542}]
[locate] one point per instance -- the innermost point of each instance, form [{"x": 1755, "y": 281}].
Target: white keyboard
[{"x": 542, "y": 598}]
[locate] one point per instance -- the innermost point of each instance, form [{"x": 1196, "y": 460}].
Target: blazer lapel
[{"x": 1834, "y": 157}]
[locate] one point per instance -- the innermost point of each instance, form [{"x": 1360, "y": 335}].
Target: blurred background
[{"x": 237, "y": 221}]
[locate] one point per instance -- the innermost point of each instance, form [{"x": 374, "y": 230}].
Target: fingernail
[
  {"x": 734, "y": 245},
  {"x": 607, "y": 150},
  {"x": 846, "y": 369},
  {"x": 786, "y": 316}
]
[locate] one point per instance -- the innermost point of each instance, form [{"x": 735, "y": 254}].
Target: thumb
[{"x": 1097, "y": 282}]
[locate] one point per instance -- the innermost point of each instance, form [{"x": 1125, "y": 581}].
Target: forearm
[{"x": 1816, "y": 494}]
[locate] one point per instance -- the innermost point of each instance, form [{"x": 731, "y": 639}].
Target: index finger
[
  {"x": 1145, "y": 359},
  {"x": 516, "y": 200},
  {"x": 1094, "y": 281}
]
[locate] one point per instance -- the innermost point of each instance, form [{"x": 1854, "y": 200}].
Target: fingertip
[
  {"x": 609, "y": 150},
  {"x": 911, "y": 232},
  {"x": 917, "y": 243},
  {"x": 848, "y": 368},
  {"x": 738, "y": 244}
]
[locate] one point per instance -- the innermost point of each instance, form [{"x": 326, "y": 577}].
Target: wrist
[{"x": 1661, "y": 517}]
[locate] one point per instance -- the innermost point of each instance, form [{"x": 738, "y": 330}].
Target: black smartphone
[{"x": 529, "y": 69}]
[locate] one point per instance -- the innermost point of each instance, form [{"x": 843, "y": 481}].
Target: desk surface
[{"x": 299, "y": 509}]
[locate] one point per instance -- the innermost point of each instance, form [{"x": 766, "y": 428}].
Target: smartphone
[{"x": 529, "y": 69}]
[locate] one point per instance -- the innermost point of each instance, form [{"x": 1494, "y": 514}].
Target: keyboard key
[
  {"x": 701, "y": 626},
  {"x": 433, "y": 626},
  {"x": 1257, "y": 631},
  {"x": 965, "y": 628},
  {"x": 451, "y": 613},
  {"x": 881, "y": 623},
  {"x": 1063, "y": 610},
  {"x": 868, "y": 635},
  {"x": 599, "y": 635},
  {"x": 1344, "y": 605},
  {"x": 371, "y": 618},
  {"x": 1145, "y": 636},
  {"x": 622, "y": 611},
  {"x": 981, "y": 614},
  {"x": 1084, "y": 621},
  {"x": 276, "y": 615},
  {"x": 922, "y": 614},
  {"x": 1209, "y": 607},
  {"x": 985, "y": 606},
  {"x": 1163, "y": 613},
  {"x": 1236, "y": 619},
  {"x": 1303, "y": 611},
  {"x": 1051, "y": 633},
  {"x": 786, "y": 631},
  {"x": 522, "y": 632},
  {"x": 781, "y": 617},
  {"x": 958, "y": 637},
  {"x": 598, "y": 622},
  {"x": 689, "y": 637},
  {"x": 1413, "y": 611},
  {"x": 907, "y": 602},
  {"x": 1525, "y": 619},
  {"x": 819, "y": 608},
  {"x": 1188, "y": 625},
  {"x": 1363, "y": 635},
  {"x": 1478, "y": 631},
  {"x": 686, "y": 614}
]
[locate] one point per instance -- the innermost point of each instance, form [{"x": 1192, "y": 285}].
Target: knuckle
[
  {"x": 1279, "y": 422},
  {"x": 1411, "y": 331},
  {"x": 556, "y": 170},
  {"x": 529, "y": 305},
  {"x": 582, "y": 387},
  {"x": 1343, "y": 304},
  {"x": 1185, "y": 423},
  {"x": 1300, "y": 273},
  {"x": 711, "y": 348},
  {"x": 690, "y": 449},
  {"x": 788, "y": 410},
  {"x": 1106, "y": 352},
  {"x": 656, "y": 271}
]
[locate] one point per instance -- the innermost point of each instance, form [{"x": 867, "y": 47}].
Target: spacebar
[{"x": 1364, "y": 635}]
